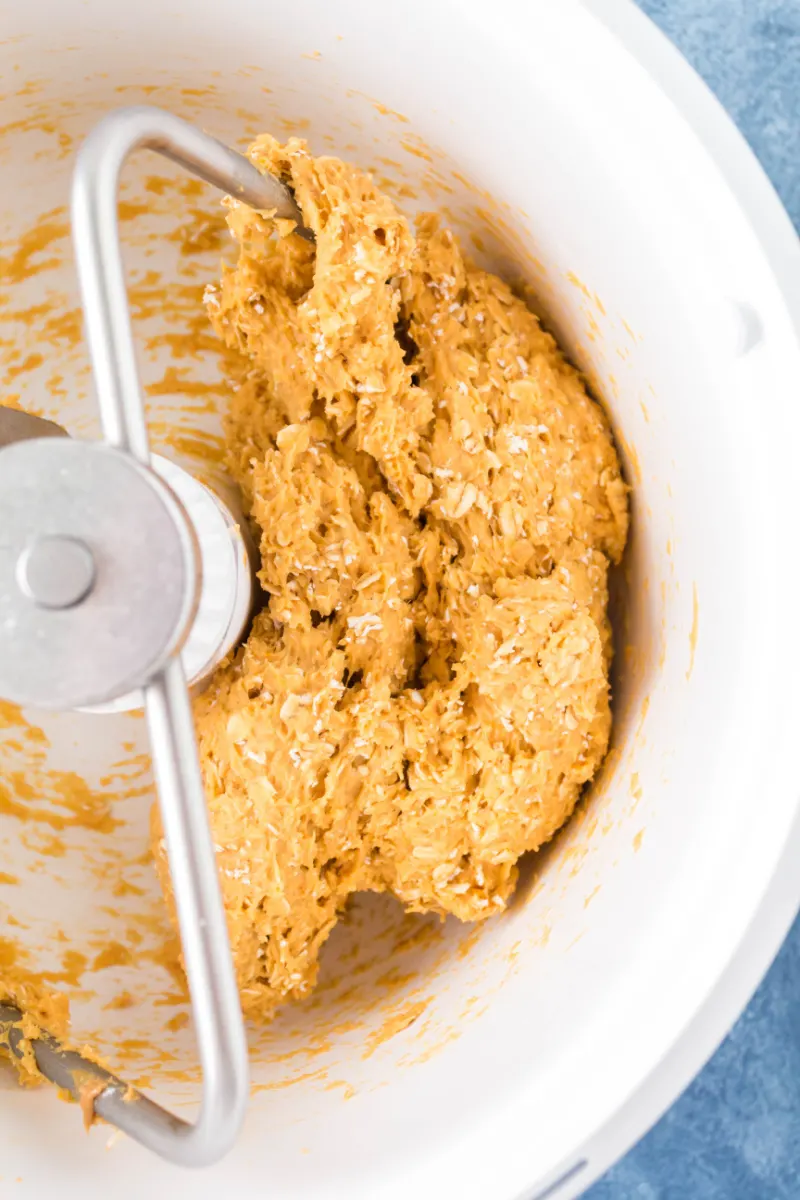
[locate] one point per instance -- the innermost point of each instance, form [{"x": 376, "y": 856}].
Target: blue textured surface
[{"x": 735, "y": 1133}]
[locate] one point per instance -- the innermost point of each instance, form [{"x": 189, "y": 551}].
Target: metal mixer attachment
[{"x": 106, "y": 561}]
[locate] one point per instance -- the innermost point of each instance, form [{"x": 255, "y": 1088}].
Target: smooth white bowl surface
[{"x": 584, "y": 158}]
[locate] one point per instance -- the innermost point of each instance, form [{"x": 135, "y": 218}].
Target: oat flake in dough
[{"x": 438, "y": 501}]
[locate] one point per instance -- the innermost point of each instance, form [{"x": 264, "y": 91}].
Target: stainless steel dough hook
[{"x": 95, "y": 514}]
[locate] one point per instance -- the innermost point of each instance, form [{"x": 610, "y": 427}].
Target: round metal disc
[
  {"x": 226, "y": 594},
  {"x": 56, "y": 572},
  {"x": 98, "y": 573}
]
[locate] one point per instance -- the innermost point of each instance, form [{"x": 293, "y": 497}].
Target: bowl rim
[{"x": 773, "y": 917}]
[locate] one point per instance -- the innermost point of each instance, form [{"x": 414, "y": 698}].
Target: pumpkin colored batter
[{"x": 437, "y": 502}]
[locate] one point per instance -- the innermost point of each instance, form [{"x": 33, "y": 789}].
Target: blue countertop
[{"x": 735, "y": 1133}]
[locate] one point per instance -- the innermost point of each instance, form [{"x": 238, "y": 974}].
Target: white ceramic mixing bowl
[{"x": 582, "y": 156}]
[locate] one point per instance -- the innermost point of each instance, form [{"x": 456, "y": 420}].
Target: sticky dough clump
[{"x": 437, "y": 501}]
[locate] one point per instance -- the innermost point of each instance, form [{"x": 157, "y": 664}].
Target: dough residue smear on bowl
[{"x": 437, "y": 501}]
